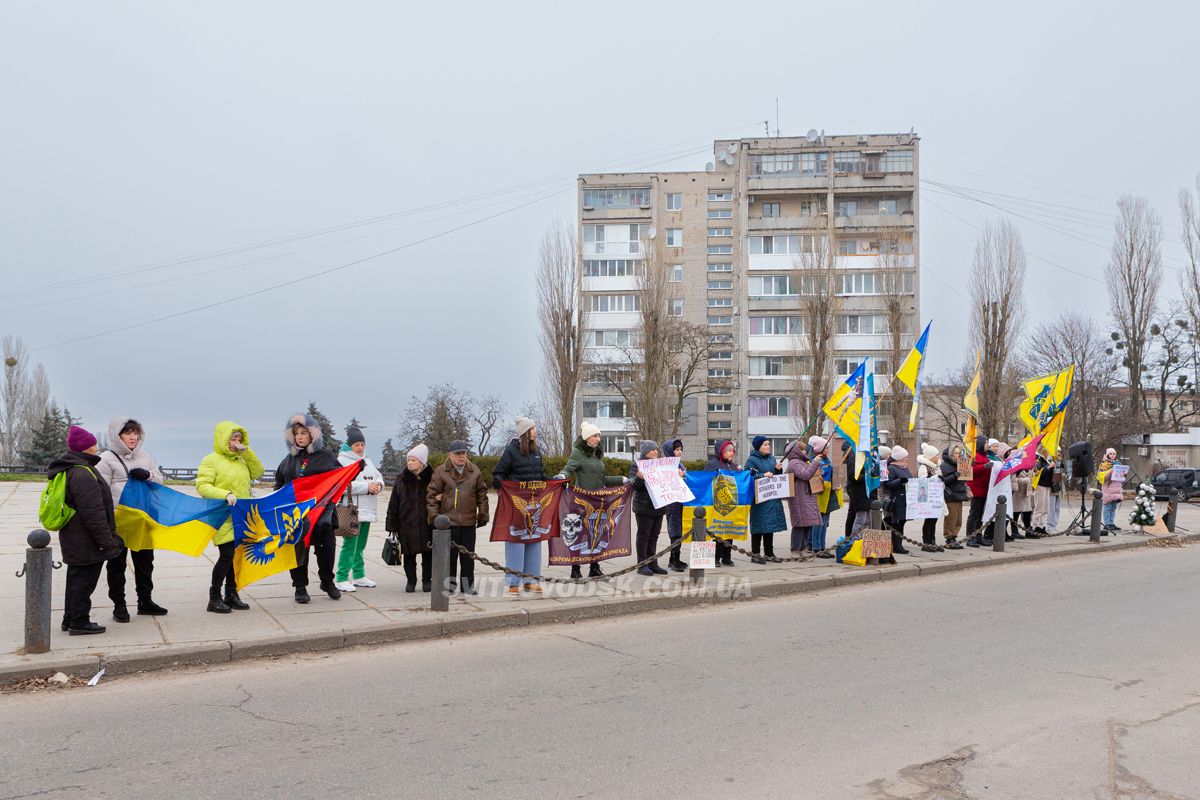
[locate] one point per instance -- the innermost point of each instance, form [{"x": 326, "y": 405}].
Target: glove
[
  {"x": 139, "y": 474},
  {"x": 481, "y": 520},
  {"x": 903, "y": 481},
  {"x": 560, "y": 477},
  {"x": 231, "y": 499}
]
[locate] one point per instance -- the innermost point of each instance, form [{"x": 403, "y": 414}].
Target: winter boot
[
  {"x": 576, "y": 572},
  {"x": 214, "y": 601},
  {"x": 594, "y": 571},
  {"x": 121, "y": 612},
  {"x": 898, "y": 544},
  {"x": 234, "y": 601}
]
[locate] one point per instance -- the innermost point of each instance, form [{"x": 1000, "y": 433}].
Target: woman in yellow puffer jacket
[{"x": 226, "y": 474}]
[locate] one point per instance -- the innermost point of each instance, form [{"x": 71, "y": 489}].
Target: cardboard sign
[
  {"x": 663, "y": 481},
  {"x": 703, "y": 555},
  {"x": 924, "y": 499},
  {"x": 1119, "y": 473},
  {"x": 876, "y": 544},
  {"x": 965, "y": 468},
  {"x": 774, "y": 487}
]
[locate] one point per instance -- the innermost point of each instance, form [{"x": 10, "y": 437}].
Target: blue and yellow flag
[
  {"x": 151, "y": 516},
  {"x": 910, "y": 373},
  {"x": 866, "y": 449},
  {"x": 726, "y": 497},
  {"x": 844, "y": 407},
  {"x": 1046, "y": 397}
]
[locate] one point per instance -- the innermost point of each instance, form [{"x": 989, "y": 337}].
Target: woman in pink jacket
[
  {"x": 1111, "y": 491},
  {"x": 805, "y": 512}
]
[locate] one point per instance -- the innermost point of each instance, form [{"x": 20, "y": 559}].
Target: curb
[{"x": 222, "y": 652}]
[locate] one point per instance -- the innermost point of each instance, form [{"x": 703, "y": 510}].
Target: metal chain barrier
[
  {"x": 773, "y": 559},
  {"x": 487, "y": 562}
]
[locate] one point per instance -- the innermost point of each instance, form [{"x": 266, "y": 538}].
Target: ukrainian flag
[
  {"x": 1046, "y": 397},
  {"x": 844, "y": 408},
  {"x": 151, "y": 516},
  {"x": 726, "y": 497},
  {"x": 910, "y": 373}
]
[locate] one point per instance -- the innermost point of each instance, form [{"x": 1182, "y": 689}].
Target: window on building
[
  {"x": 720, "y": 355},
  {"x": 775, "y": 164},
  {"x": 719, "y": 285},
  {"x": 810, "y": 208},
  {"x": 613, "y": 338},
  {"x": 618, "y": 240},
  {"x": 720, "y": 195},
  {"x": 720, "y": 320},
  {"x": 772, "y": 286},
  {"x": 896, "y": 161},
  {"x": 887, "y": 207},
  {"x": 789, "y": 244},
  {"x": 843, "y": 366},
  {"x": 720, "y": 408},
  {"x": 720, "y": 391},
  {"x": 674, "y": 237},
  {"x": 720, "y": 372},
  {"x": 777, "y": 366},
  {"x": 849, "y": 161},
  {"x": 724, "y": 266},
  {"x": 612, "y": 268},
  {"x": 858, "y": 283},
  {"x": 610, "y": 303},
  {"x": 770, "y": 210},
  {"x": 614, "y": 443},
  {"x": 720, "y": 425},
  {"x": 720, "y": 232},
  {"x": 675, "y": 275},
  {"x": 604, "y": 409},
  {"x": 675, "y": 307},
  {"x": 847, "y": 208},
  {"x": 720, "y": 302},
  {"x": 720, "y": 249},
  {"x": 776, "y": 325},
  {"x": 674, "y": 201},
  {"x": 771, "y": 407},
  {"x": 720, "y": 213},
  {"x": 874, "y": 324},
  {"x": 617, "y": 198},
  {"x": 814, "y": 163}
]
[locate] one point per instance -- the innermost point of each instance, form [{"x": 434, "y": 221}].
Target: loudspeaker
[{"x": 1083, "y": 463}]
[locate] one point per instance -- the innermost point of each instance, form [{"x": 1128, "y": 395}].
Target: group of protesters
[{"x": 91, "y": 543}]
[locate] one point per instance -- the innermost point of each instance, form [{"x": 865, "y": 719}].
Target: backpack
[{"x": 53, "y": 511}]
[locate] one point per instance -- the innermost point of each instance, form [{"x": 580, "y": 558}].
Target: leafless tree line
[{"x": 24, "y": 400}]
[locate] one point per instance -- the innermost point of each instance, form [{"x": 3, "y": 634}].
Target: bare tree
[
  {"x": 941, "y": 402},
  {"x": 486, "y": 413},
  {"x": 1189, "y": 211},
  {"x": 997, "y": 288},
  {"x": 24, "y": 400},
  {"x": 820, "y": 303},
  {"x": 442, "y": 415},
  {"x": 1171, "y": 373},
  {"x": 559, "y": 281},
  {"x": 1076, "y": 338},
  {"x": 1134, "y": 274},
  {"x": 892, "y": 283}
]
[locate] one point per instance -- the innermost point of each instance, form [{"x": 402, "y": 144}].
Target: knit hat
[
  {"x": 898, "y": 453},
  {"x": 929, "y": 451},
  {"x": 523, "y": 425},
  {"x": 991, "y": 443},
  {"x": 420, "y": 452},
  {"x": 587, "y": 430},
  {"x": 818, "y": 443},
  {"x": 1110, "y": 453},
  {"x": 79, "y": 440},
  {"x": 458, "y": 446},
  {"x": 757, "y": 442},
  {"x": 354, "y": 435},
  {"x": 885, "y": 452},
  {"x": 646, "y": 447}
]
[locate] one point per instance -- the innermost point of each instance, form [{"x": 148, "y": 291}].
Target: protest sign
[
  {"x": 876, "y": 544},
  {"x": 703, "y": 555},
  {"x": 1120, "y": 472},
  {"x": 663, "y": 481},
  {"x": 924, "y": 498},
  {"x": 774, "y": 487}
]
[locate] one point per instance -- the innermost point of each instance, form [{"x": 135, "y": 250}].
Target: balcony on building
[
  {"x": 788, "y": 223},
  {"x": 904, "y": 220}
]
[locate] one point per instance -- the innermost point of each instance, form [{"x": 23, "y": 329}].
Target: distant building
[{"x": 734, "y": 236}]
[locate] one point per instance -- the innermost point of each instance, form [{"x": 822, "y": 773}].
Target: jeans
[
  {"x": 1109, "y": 517},
  {"x": 816, "y": 536},
  {"x": 323, "y": 543},
  {"x": 350, "y": 559},
  {"x": 143, "y": 568},
  {"x": 462, "y": 564},
  {"x": 1053, "y": 512},
  {"x": 81, "y": 582},
  {"x": 522, "y": 556}
]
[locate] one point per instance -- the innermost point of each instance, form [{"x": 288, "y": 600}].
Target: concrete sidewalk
[{"x": 276, "y": 625}]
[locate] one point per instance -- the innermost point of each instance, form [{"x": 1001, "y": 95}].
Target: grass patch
[{"x": 13, "y": 477}]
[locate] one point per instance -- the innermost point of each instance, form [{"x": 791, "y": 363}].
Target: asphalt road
[{"x": 1071, "y": 679}]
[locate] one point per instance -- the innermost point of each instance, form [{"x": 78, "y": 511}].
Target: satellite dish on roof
[
  {"x": 811, "y": 135},
  {"x": 709, "y": 167},
  {"x": 652, "y": 232}
]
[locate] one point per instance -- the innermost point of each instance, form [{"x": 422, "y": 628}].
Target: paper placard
[
  {"x": 1119, "y": 473},
  {"x": 965, "y": 468},
  {"x": 703, "y": 555},
  {"x": 774, "y": 487},
  {"x": 876, "y": 544},
  {"x": 924, "y": 499},
  {"x": 663, "y": 481}
]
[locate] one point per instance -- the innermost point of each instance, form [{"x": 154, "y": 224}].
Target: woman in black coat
[
  {"x": 898, "y": 476},
  {"x": 408, "y": 518},
  {"x": 521, "y": 461},
  {"x": 649, "y": 519}
]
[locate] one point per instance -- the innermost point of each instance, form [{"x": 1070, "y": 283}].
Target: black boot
[
  {"x": 974, "y": 541},
  {"x": 330, "y": 589},
  {"x": 576, "y": 572},
  {"x": 150, "y": 608},
  {"x": 594, "y": 571},
  {"x": 898, "y": 544},
  {"x": 214, "y": 601},
  {"x": 234, "y": 601},
  {"x": 121, "y": 612},
  {"x": 302, "y": 595}
]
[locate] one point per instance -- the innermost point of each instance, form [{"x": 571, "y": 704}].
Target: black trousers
[
  {"x": 724, "y": 551},
  {"x": 323, "y": 544},
  {"x": 929, "y": 531},
  {"x": 975, "y": 515},
  {"x": 648, "y": 528},
  {"x": 81, "y": 582},
  {"x": 460, "y": 563},
  {"x": 223, "y": 569},
  {"x": 1022, "y": 518},
  {"x": 851, "y": 510},
  {"x": 143, "y": 569},
  {"x": 410, "y": 565},
  {"x": 763, "y": 541}
]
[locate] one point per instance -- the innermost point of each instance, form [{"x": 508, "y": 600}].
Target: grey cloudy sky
[{"x": 140, "y": 133}]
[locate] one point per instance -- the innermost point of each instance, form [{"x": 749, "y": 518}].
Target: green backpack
[{"x": 53, "y": 511}]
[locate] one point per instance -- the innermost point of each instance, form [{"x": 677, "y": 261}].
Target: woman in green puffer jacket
[
  {"x": 586, "y": 466},
  {"x": 226, "y": 474}
]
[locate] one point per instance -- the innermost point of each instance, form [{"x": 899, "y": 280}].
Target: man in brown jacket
[{"x": 458, "y": 491}]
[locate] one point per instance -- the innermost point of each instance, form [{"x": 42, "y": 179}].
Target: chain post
[
  {"x": 439, "y": 600},
  {"x": 1000, "y": 524},
  {"x": 39, "y": 566},
  {"x": 1097, "y": 515},
  {"x": 876, "y": 515},
  {"x": 699, "y": 534}
]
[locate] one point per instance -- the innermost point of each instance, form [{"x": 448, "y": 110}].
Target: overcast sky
[{"x": 136, "y": 134}]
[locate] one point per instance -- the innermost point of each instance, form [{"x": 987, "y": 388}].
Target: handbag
[
  {"x": 345, "y": 520},
  {"x": 816, "y": 483},
  {"x": 391, "y": 551}
]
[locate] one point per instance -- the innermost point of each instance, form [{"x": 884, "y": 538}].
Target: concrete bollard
[
  {"x": 1000, "y": 526},
  {"x": 439, "y": 600},
  {"x": 699, "y": 534},
  {"x": 1172, "y": 507},
  {"x": 39, "y": 565},
  {"x": 877, "y": 515},
  {"x": 1097, "y": 515}
]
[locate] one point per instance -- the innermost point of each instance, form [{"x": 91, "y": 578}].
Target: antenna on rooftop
[
  {"x": 767, "y": 127},
  {"x": 776, "y": 117}
]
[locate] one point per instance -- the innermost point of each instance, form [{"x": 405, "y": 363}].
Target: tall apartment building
[{"x": 733, "y": 238}]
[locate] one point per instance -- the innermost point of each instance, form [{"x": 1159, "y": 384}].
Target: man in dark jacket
[
  {"x": 90, "y": 537},
  {"x": 408, "y": 518},
  {"x": 307, "y": 456},
  {"x": 649, "y": 519},
  {"x": 457, "y": 490}
]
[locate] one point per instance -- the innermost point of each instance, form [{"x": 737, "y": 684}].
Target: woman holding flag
[
  {"x": 307, "y": 455},
  {"x": 226, "y": 474},
  {"x": 724, "y": 457},
  {"x": 521, "y": 461}
]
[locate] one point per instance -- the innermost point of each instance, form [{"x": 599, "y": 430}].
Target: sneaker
[
  {"x": 332, "y": 590},
  {"x": 426, "y": 586},
  {"x": 365, "y": 583},
  {"x": 953, "y": 544},
  {"x": 657, "y": 570},
  {"x": 513, "y": 591},
  {"x": 756, "y": 559},
  {"x": 645, "y": 571},
  {"x": 302, "y": 595},
  {"x": 824, "y": 554},
  {"x": 679, "y": 566},
  {"x": 121, "y": 613},
  {"x": 728, "y": 562},
  {"x": 411, "y": 587},
  {"x": 84, "y": 630},
  {"x": 150, "y": 608},
  {"x": 345, "y": 586},
  {"x": 536, "y": 588}
]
